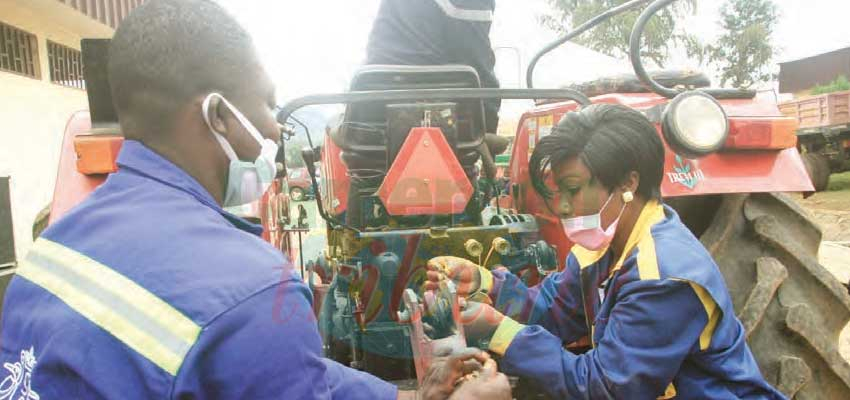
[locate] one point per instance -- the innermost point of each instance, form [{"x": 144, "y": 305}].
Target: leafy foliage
[
  {"x": 744, "y": 52},
  {"x": 612, "y": 36},
  {"x": 839, "y": 84}
]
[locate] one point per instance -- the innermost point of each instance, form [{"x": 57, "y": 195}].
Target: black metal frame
[
  {"x": 529, "y": 74},
  {"x": 429, "y": 94},
  {"x": 640, "y": 71},
  {"x": 289, "y": 108}
]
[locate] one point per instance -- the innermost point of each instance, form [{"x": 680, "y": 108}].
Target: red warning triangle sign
[{"x": 426, "y": 177}]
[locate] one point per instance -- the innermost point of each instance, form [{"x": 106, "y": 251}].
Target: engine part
[
  {"x": 516, "y": 223},
  {"x": 501, "y": 246},
  {"x": 539, "y": 254},
  {"x": 473, "y": 247}
]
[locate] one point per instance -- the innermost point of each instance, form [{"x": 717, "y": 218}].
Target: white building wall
[{"x": 33, "y": 112}]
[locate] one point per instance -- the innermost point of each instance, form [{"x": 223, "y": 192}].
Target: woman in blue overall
[{"x": 637, "y": 282}]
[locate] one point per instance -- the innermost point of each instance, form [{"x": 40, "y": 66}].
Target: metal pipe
[
  {"x": 429, "y": 94},
  {"x": 587, "y": 25},
  {"x": 640, "y": 71}
]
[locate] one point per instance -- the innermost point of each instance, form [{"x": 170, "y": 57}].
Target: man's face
[{"x": 257, "y": 103}]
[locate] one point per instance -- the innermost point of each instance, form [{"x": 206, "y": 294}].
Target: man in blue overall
[{"x": 149, "y": 289}]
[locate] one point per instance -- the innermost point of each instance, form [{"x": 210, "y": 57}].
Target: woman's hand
[
  {"x": 480, "y": 320},
  {"x": 465, "y": 274}
]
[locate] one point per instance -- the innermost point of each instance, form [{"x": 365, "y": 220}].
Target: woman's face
[{"x": 578, "y": 193}]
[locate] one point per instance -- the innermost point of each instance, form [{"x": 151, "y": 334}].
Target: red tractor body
[{"x": 759, "y": 156}]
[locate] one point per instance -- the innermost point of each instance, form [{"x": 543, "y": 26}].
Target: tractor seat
[
  {"x": 362, "y": 132},
  {"x": 629, "y": 83}
]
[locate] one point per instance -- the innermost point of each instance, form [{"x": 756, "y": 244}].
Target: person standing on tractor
[
  {"x": 637, "y": 282},
  {"x": 149, "y": 289},
  {"x": 440, "y": 32}
]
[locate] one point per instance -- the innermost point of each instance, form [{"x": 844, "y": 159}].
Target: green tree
[
  {"x": 744, "y": 51},
  {"x": 612, "y": 36}
]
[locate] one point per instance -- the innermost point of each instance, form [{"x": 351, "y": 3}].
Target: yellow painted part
[
  {"x": 504, "y": 335},
  {"x": 115, "y": 285}
]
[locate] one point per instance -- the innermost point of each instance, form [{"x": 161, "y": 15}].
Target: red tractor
[{"x": 400, "y": 185}]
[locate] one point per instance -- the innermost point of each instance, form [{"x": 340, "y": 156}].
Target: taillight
[
  {"x": 97, "y": 154},
  {"x": 762, "y": 133}
]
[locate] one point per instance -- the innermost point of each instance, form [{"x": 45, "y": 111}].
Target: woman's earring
[{"x": 628, "y": 197}]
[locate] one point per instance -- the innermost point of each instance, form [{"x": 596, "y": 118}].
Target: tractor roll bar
[
  {"x": 640, "y": 71},
  {"x": 529, "y": 75},
  {"x": 428, "y": 94},
  {"x": 411, "y": 95}
]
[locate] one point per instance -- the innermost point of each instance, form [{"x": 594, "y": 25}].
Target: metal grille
[
  {"x": 107, "y": 12},
  {"x": 66, "y": 65},
  {"x": 18, "y": 51}
]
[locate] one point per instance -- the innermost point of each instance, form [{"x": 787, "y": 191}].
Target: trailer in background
[{"x": 824, "y": 134}]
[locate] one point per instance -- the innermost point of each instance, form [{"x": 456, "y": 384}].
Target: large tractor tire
[
  {"x": 817, "y": 165},
  {"x": 792, "y": 308}
]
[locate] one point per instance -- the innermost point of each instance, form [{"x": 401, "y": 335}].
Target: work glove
[
  {"x": 480, "y": 321},
  {"x": 472, "y": 281}
]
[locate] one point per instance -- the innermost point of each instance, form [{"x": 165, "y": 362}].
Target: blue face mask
[{"x": 247, "y": 181}]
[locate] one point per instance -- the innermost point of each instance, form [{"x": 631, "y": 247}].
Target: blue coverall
[
  {"x": 149, "y": 290},
  {"x": 660, "y": 319}
]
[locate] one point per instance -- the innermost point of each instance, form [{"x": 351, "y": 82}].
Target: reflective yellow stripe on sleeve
[
  {"x": 504, "y": 335},
  {"x": 129, "y": 312},
  {"x": 711, "y": 310}
]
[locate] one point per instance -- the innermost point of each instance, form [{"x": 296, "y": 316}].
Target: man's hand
[
  {"x": 445, "y": 372},
  {"x": 464, "y": 273},
  {"x": 486, "y": 384}
]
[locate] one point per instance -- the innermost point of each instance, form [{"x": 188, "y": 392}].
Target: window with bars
[
  {"x": 66, "y": 65},
  {"x": 18, "y": 51}
]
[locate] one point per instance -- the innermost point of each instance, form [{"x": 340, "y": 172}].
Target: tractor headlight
[{"x": 694, "y": 124}]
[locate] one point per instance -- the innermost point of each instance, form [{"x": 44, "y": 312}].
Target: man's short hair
[{"x": 167, "y": 52}]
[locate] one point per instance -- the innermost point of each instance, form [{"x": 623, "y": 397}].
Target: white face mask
[{"x": 246, "y": 181}]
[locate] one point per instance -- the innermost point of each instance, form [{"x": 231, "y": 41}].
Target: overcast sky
[{"x": 313, "y": 46}]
